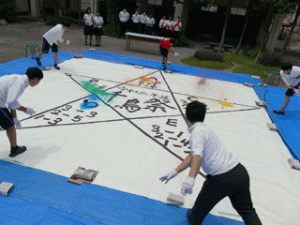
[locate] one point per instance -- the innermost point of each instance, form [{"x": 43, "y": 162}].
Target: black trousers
[
  {"x": 234, "y": 184},
  {"x": 135, "y": 27},
  {"x": 123, "y": 29}
]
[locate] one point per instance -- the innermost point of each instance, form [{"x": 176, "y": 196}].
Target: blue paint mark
[{"x": 88, "y": 105}]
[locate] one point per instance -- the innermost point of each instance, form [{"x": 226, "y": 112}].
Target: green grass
[{"x": 246, "y": 62}]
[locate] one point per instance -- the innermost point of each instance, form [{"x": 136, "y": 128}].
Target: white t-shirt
[
  {"x": 88, "y": 18},
  {"x": 162, "y": 23},
  {"x": 55, "y": 34},
  {"x": 215, "y": 158},
  {"x": 124, "y": 16},
  {"x": 177, "y": 28},
  {"x": 98, "y": 19},
  {"x": 291, "y": 79},
  {"x": 169, "y": 25},
  {"x": 150, "y": 22},
  {"x": 135, "y": 18},
  {"x": 143, "y": 18},
  {"x": 11, "y": 88}
]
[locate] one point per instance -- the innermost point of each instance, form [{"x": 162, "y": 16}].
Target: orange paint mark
[
  {"x": 226, "y": 104},
  {"x": 145, "y": 79}
]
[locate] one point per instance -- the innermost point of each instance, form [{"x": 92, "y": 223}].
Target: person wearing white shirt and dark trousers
[
  {"x": 88, "y": 25},
  {"x": 162, "y": 27},
  {"x": 98, "y": 21},
  {"x": 11, "y": 88},
  {"x": 135, "y": 22},
  {"x": 124, "y": 17},
  {"x": 150, "y": 21},
  {"x": 291, "y": 76},
  {"x": 176, "y": 29},
  {"x": 226, "y": 176},
  {"x": 143, "y": 20},
  {"x": 50, "y": 39}
]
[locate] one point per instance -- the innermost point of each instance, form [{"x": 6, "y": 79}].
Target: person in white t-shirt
[
  {"x": 88, "y": 25},
  {"x": 291, "y": 76},
  {"x": 169, "y": 26},
  {"x": 176, "y": 29},
  {"x": 123, "y": 17},
  {"x": 142, "y": 26},
  {"x": 135, "y": 21},
  {"x": 50, "y": 39},
  {"x": 11, "y": 88},
  {"x": 98, "y": 23},
  {"x": 226, "y": 176},
  {"x": 150, "y": 21},
  {"x": 162, "y": 27}
]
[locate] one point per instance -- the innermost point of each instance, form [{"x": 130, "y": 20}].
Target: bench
[
  {"x": 141, "y": 37},
  {"x": 225, "y": 47}
]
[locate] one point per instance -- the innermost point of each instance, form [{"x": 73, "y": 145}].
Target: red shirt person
[{"x": 165, "y": 46}]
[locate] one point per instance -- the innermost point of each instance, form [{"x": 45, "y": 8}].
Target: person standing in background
[
  {"x": 176, "y": 29},
  {"x": 162, "y": 27},
  {"x": 149, "y": 25},
  {"x": 98, "y": 21},
  {"x": 123, "y": 17},
  {"x": 88, "y": 25},
  {"x": 143, "y": 19},
  {"x": 169, "y": 26},
  {"x": 135, "y": 21}
]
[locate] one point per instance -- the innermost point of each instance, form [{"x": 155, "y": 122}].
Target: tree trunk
[
  {"x": 185, "y": 15},
  {"x": 225, "y": 26},
  {"x": 237, "y": 51},
  {"x": 288, "y": 39}
]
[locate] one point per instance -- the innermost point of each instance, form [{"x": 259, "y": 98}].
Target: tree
[
  {"x": 7, "y": 9},
  {"x": 288, "y": 39},
  {"x": 228, "y": 12}
]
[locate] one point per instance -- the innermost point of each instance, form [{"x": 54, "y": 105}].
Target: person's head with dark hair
[
  {"x": 88, "y": 10},
  {"x": 35, "y": 75},
  {"x": 195, "y": 112},
  {"x": 66, "y": 25},
  {"x": 287, "y": 67},
  {"x": 172, "y": 40},
  {"x": 178, "y": 18}
]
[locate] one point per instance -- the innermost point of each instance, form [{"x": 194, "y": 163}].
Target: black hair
[
  {"x": 173, "y": 40},
  {"x": 195, "y": 111},
  {"x": 286, "y": 66},
  {"x": 34, "y": 72},
  {"x": 66, "y": 24},
  {"x": 87, "y": 9}
]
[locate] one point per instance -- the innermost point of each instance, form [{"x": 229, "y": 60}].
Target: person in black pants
[{"x": 226, "y": 176}]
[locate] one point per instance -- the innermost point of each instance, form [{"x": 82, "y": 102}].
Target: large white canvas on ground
[{"x": 128, "y": 124}]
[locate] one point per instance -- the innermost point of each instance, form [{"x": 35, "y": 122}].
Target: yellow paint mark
[
  {"x": 224, "y": 104},
  {"x": 145, "y": 79}
]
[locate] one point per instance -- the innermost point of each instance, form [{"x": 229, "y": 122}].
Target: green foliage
[
  {"x": 251, "y": 51},
  {"x": 183, "y": 41},
  {"x": 208, "y": 64},
  {"x": 8, "y": 9},
  {"x": 53, "y": 20},
  {"x": 271, "y": 59},
  {"x": 111, "y": 31},
  {"x": 204, "y": 54}
]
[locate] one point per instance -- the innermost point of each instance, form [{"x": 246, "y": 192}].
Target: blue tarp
[{"x": 45, "y": 198}]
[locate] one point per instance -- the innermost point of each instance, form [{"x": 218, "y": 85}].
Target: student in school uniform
[
  {"x": 88, "y": 25},
  {"x": 123, "y": 17},
  {"x": 50, "y": 39},
  {"x": 226, "y": 175},
  {"x": 149, "y": 25},
  {"x": 162, "y": 27},
  {"x": 176, "y": 29},
  {"x": 135, "y": 21},
  {"x": 143, "y": 19},
  {"x": 169, "y": 26},
  {"x": 98, "y": 30},
  {"x": 11, "y": 88}
]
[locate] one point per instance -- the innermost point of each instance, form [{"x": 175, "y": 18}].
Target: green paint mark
[{"x": 94, "y": 89}]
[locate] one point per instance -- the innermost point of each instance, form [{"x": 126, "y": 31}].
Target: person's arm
[
  {"x": 195, "y": 166},
  {"x": 185, "y": 163},
  {"x": 22, "y": 108},
  {"x": 171, "y": 51},
  {"x": 13, "y": 113}
]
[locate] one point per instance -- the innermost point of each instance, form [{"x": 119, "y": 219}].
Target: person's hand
[
  {"x": 297, "y": 91},
  {"x": 169, "y": 176},
  {"x": 68, "y": 42},
  {"x": 187, "y": 186},
  {"x": 176, "y": 54},
  {"x": 30, "y": 111},
  {"x": 17, "y": 122}
]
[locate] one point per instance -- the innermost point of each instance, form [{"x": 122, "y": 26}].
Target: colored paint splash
[
  {"x": 94, "y": 89},
  {"x": 88, "y": 105},
  {"x": 145, "y": 79},
  {"x": 224, "y": 104}
]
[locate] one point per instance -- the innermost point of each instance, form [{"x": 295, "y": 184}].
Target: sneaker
[
  {"x": 17, "y": 150},
  {"x": 279, "y": 112},
  {"x": 56, "y": 67},
  {"x": 38, "y": 61},
  {"x": 164, "y": 68}
]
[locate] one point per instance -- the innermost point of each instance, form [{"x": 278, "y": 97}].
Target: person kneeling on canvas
[
  {"x": 291, "y": 76},
  {"x": 164, "y": 48},
  {"x": 11, "y": 88},
  {"x": 226, "y": 176}
]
